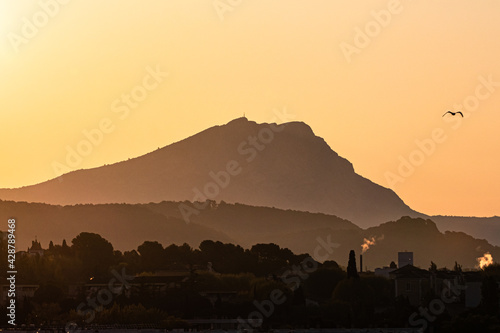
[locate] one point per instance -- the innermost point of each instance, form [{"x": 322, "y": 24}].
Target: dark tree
[
  {"x": 180, "y": 256},
  {"x": 331, "y": 264},
  {"x": 358, "y": 297},
  {"x": 65, "y": 249},
  {"x": 270, "y": 257},
  {"x": 352, "y": 270},
  {"x": 489, "y": 293},
  {"x": 95, "y": 252},
  {"x": 321, "y": 283},
  {"x": 48, "y": 293},
  {"x": 393, "y": 265},
  {"x": 132, "y": 259},
  {"x": 227, "y": 258},
  {"x": 433, "y": 267},
  {"x": 152, "y": 256},
  {"x": 299, "y": 312}
]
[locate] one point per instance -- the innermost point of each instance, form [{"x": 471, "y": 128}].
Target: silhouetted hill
[
  {"x": 428, "y": 243},
  {"x": 288, "y": 168},
  {"x": 127, "y": 226},
  {"x": 406, "y": 234},
  {"x": 249, "y": 224},
  {"x": 479, "y": 227}
]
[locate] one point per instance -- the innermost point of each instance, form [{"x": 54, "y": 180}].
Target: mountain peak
[
  {"x": 297, "y": 127},
  {"x": 284, "y": 166},
  {"x": 240, "y": 120}
]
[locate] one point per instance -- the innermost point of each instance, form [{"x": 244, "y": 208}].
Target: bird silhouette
[{"x": 453, "y": 113}]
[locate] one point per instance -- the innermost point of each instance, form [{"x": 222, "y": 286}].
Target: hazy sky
[{"x": 371, "y": 78}]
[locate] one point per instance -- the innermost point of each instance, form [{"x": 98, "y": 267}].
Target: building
[
  {"x": 405, "y": 258},
  {"x": 36, "y": 248},
  {"x": 474, "y": 282},
  {"x": 155, "y": 285},
  {"x": 456, "y": 289},
  {"x": 385, "y": 271},
  {"x": 412, "y": 283}
]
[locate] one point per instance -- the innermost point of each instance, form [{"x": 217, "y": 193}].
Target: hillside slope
[{"x": 284, "y": 166}]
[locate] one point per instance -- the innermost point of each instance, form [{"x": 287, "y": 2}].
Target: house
[
  {"x": 155, "y": 285},
  {"x": 411, "y": 282},
  {"x": 385, "y": 271},
  {"x": 36, "y": 248},
  {"x": 473, "y": 282},
  {"x": 450, "y": 282}
]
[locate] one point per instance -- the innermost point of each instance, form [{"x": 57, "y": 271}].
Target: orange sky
[{"x": 66, "y": 65}]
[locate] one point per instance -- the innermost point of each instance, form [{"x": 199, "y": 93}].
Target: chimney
[{"x": 360, "y": 263}]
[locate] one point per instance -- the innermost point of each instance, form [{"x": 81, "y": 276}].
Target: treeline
[
  {"x": 92, "y": 256},
  {"x": 247, "y": 274},
  {"x": 310, "y": 294}
]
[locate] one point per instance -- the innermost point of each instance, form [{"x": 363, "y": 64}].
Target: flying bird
[{"x": 453, "y": 113}]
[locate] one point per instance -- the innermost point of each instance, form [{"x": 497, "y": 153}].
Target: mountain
[
  {"x": 284, "y": 166},
  {"x": 306, "y": 232},
  {"x": 479, "y": 227},
  {"x": 422, "y": 237},
  {"x": 125, "y": 226},
  {"x": 329, "y": 237},
  {"x": 250, "y": 225}
]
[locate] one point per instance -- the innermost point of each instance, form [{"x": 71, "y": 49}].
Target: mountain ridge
[
  {"x": 127, "y": 226},
  {"x": 285, "y": 166}
]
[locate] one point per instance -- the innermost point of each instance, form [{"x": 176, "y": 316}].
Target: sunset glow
[{"x": 373, "y": 79}]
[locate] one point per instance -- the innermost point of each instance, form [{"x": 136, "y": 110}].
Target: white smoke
[
  {"x": 369, "y": 242},
  {"x": 485, "y": 260}
]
